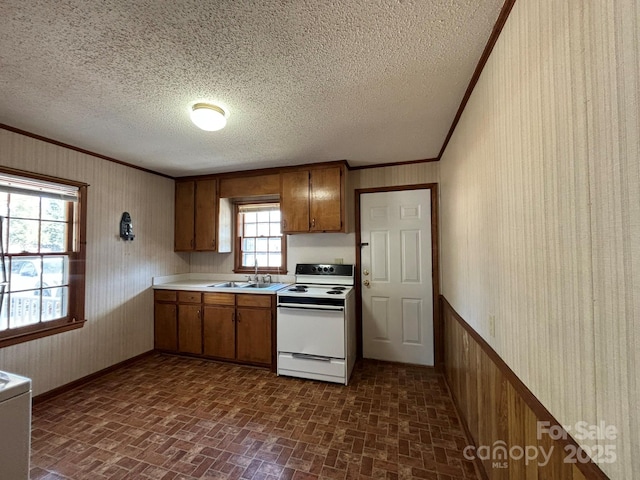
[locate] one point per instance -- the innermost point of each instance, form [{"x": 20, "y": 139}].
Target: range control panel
[{"x": 324, "y": 269}]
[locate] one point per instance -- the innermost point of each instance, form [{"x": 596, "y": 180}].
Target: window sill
[
  {"x": 261, "y": 271},
  {"x": 40, "y": 333}
]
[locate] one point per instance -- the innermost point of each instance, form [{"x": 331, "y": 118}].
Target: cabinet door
[
  {"x": 205, "y": 215},
  {"x": 325, "y": 204},
  {"x": 233, "y": 187},
  {"x": 294, "y": 201},
  {"x": 189, "y": 329},
  {"x": 184, "y": 216},
  {"x": 254, "y": 335},
  {"x": 166, "y": 327},
  {"x": 219, "y": 332}
]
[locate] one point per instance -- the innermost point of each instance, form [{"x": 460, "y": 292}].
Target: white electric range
[{"x": 316, "y": 332}]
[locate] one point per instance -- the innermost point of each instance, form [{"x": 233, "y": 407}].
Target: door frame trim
[{"x": 438, "y": 332}]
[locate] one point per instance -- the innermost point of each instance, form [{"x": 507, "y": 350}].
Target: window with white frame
[
  {"x": 259, "y": 239},
  {"x": 42, "y": 263}
]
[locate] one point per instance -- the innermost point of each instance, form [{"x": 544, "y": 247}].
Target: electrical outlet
[
  {"x": 338, "y": 261},
  {"x": 492, "y": 325}
]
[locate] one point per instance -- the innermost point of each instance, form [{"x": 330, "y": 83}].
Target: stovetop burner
[
  {"x": 298, "y": 288},
  {"x": 317, "y": 290}
]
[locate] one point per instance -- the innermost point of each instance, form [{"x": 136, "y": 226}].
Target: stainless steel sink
[
  {"x": 230, "y": 284},
  {"x": 242, "y": 285},
  {"x": 258, "y": 285}
]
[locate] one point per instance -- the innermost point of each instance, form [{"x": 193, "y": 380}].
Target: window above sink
[{"x": 259, "y": 239}]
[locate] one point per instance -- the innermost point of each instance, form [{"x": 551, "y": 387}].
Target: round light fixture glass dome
[{"x": 208, "y": 117}]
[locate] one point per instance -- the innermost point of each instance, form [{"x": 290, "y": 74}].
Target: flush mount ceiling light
[{"x": 208, "y": 117}]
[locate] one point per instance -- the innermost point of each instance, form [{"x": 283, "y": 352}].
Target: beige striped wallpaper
[
  {"x": 407, "y": 174},
  {"x": 119, "y": 299},
  {"x": 540, "y": 212}
]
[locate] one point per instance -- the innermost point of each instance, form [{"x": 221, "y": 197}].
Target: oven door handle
[
  {"x": 333, "y": 309},
  {"x": 307, "y": 356}
]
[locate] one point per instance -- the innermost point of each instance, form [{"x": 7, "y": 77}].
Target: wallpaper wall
[
  {"x": 540, "y": 213},
  {"x": 403, "y": 174},
  {"x": 119, "y": 299},
  {"x": 301, "y": 248}
]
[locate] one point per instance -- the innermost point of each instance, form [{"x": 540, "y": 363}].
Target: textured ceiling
[{"x": 368, "y": 81}]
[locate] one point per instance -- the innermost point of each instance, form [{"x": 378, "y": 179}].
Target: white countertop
[{"x": 202, "y": 282}]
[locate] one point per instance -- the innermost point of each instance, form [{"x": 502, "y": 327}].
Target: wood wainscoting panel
[{"x": 501, "y": 416}]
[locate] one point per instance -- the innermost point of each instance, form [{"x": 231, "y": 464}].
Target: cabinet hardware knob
[{"x": 313, "y": 222}]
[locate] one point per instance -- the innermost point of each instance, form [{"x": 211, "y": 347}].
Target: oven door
[{"x": 311, "y": 330}]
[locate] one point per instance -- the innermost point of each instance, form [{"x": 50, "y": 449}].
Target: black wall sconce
[{"x": 126, "y": 227}]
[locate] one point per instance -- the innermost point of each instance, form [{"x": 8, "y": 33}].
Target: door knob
[
  {"x": 365, "y": 272},
  {"x": 366, "y": 283}
]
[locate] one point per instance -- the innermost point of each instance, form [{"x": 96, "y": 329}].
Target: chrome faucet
[
  {"x": 266, "y": 278},
  {"x": 256, "y": 272}
]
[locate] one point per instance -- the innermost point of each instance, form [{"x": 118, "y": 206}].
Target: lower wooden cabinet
[
  {"x": 254, "y": 328},
  {"x": 190, "y": 322},
  {"x": 189, "y": 328},
  {"x": 225, "y": 326},
  {"x": 165, "y": 334},
  {"x": 219, "y": 333},
  {"x": 238, "y": 327},
  {"x": 253, "y": 335},
  {"x": 166, "y": 327}
]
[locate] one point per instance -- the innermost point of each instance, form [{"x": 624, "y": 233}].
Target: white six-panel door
[{"x": 397, "y": 294}]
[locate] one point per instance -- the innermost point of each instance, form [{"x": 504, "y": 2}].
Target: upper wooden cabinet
[
  {"x": 294, "y": 201},
  {"x": 313, "y": 200},
  {"x": 250, "y": 185},
  {"x": 195, "y": 215},
  {"x": 185, "y": 216},
  {"x": 326, "y": 199},
  {"x": 205, "y": 215}
]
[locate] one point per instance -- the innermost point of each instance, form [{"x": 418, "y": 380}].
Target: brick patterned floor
[{"x": 172, "y": 418}]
